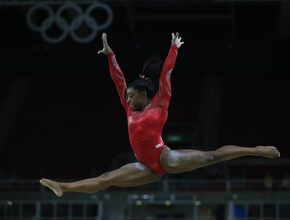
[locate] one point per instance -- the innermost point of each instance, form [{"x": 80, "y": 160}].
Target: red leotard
[{"x": 145, "y": 127}]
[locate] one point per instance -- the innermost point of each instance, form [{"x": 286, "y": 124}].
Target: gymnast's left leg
[{"x": 179, "y": 161}]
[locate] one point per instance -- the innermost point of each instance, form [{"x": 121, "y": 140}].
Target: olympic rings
[{"x": 68, "y": 25}]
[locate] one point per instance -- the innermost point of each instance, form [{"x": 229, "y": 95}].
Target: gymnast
[{"x": 147, "y": 111}]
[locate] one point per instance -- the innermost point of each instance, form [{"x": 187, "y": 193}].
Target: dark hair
[{"x": 149, "y": 78}]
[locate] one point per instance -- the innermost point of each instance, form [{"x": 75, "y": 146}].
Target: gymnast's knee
[
  {"x": 106, "y": 179},
  {"x": 170, "y": 161}
]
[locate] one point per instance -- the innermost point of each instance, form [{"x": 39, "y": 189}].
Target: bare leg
[
  {"x": 178, "y": 161},
  {"x": 132, "y": 174}
]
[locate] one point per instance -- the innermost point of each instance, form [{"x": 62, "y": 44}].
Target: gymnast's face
[{"x": 136, "y": 99}]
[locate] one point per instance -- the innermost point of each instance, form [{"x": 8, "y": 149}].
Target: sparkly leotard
[{"x": 145, "y": 127}]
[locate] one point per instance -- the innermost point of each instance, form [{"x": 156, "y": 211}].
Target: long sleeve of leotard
[
  {"x": 118, "y": 78},
  {"x": 164, "y": 92}
]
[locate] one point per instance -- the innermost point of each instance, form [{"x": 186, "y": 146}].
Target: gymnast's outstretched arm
[
  {"x": 115, "y": 70},
  {"x": 164, "y": 93}
]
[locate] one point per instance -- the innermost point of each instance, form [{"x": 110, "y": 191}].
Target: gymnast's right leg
[{"x": 133, "y": 174}]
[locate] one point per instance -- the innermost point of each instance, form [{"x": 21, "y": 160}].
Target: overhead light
[
  {"x": 174, "y": 138},
  {"x": 167, "y": 203},
  {"x": 197, "y": 203},
  {"x": 138, "y": 203}
]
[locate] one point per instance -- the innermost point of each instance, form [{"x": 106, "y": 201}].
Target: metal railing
[
  {"x": 165, "y": 218},
  {"x": 163, "y": 186}
]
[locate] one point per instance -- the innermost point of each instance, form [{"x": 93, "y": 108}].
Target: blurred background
[{"x": 61, "y": 118}]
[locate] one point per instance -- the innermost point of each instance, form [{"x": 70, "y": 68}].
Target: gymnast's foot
[
  {"x": 53, "y": 185},
  {"x": 268, "y": 151}
]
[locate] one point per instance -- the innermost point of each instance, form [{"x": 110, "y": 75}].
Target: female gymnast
[{"x": 146, "y": 114}]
